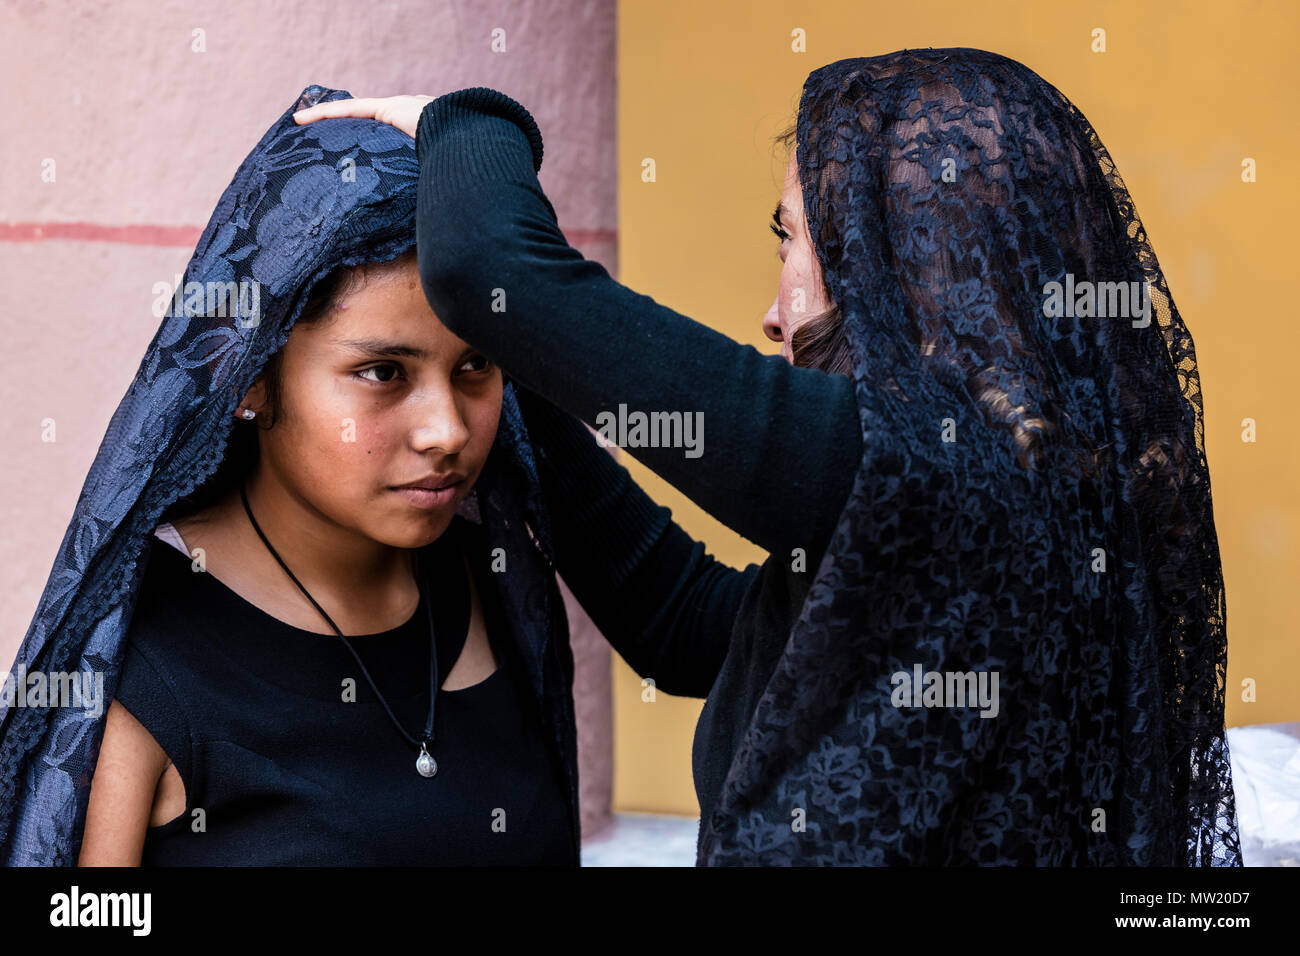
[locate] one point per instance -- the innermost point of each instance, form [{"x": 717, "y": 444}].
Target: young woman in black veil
[
  {"x": 310, "y": 562},
  {"x": 991, "y": 628}
]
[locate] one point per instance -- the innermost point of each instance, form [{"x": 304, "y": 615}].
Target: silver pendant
[{"x": 425, "y": 764}]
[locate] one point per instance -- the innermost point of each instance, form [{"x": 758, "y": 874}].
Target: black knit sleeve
[
  {"x": 779, "y": 445},
  {"x": 661, "y": 601}
]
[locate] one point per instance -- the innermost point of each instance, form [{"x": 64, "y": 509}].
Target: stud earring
[{"x": 248, "y": 413}]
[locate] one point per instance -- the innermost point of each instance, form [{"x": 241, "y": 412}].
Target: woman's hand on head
[{"x": 402, "y": 112}]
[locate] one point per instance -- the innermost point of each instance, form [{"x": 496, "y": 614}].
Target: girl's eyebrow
[{"x": 383, "y": 348}]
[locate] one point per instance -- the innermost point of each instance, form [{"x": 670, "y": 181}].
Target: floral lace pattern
[{"x": 1033, "y": 501}]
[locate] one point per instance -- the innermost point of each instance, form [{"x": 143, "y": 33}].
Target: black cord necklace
[{"x": 424, "y": 763}]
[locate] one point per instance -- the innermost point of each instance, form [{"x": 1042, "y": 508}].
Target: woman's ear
[{"x": 254, "y": 400}]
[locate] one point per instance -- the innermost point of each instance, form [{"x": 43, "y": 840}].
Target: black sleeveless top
[{"x": 289, "y": 767}]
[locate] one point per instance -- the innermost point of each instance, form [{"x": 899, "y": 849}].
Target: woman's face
[
  {"x": 801, "y": 294},
  {"x": 378, "y": 394}
]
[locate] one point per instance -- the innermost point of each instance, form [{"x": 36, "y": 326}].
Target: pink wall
[{"x": 145, "y": 131}]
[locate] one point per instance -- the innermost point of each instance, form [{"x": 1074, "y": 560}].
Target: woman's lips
[{"x": 430, "y": 500}]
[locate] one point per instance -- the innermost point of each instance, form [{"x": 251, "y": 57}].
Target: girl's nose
[
  {"x": 772, "y": 321},
  {"x": 442, "y": 426}
]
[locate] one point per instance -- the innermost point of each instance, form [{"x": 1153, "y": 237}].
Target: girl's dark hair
[{"x": 242, "y": 446}]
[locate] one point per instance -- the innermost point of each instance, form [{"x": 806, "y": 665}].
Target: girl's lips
[{"x": 430, "y": 500}]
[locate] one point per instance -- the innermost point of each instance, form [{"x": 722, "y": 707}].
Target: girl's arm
[
  {"x": 127, "y": 772},
  {"x": 780, "y": 445},
  {"x": 664, "y": 604}
]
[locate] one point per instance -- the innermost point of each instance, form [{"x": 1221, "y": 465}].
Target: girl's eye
[
  {"x": 481, "y": 360},
  {"x": 780, "y": 233},
  {"x": 376, "y": 368}
]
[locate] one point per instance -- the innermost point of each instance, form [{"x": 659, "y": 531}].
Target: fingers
[
  {"x": 367, "y": 107},
  {"x": 401, "y": 112}
]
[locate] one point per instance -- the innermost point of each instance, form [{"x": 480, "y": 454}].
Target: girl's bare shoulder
[{"x": 209, "y": 527}]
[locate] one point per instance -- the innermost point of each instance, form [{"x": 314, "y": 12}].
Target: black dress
[{"x": 291, "y": 766}]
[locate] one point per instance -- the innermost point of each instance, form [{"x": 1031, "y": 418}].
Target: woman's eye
[
  {"x": 378, "y": 368},
  {"x": 481, "y": 361},
  {"x": 780, "y": 233}
]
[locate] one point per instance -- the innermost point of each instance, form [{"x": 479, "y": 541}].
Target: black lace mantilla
[{"x": 1032, "y": 502}]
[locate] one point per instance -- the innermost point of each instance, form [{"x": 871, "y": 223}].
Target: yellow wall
[{"x": 1183, "y": 93}]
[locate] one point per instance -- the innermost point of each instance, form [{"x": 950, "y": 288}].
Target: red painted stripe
[
  {"x": 142, "y": 235},
  {"x": 186, "y": 237},
  {"x": 580, "y": 237}
]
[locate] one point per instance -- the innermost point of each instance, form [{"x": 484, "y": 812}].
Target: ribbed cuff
[{"x": 478, "y": 134}]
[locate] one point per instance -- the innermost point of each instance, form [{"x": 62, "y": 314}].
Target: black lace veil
[{"x": 1033, "y": 502}]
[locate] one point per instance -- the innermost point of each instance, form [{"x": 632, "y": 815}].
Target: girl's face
[
  {"x": 801, "y": 294},
  {"x": 375, "y": 395}
]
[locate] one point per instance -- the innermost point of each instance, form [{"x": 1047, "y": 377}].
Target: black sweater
[{"x": 781, "y": 443}]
